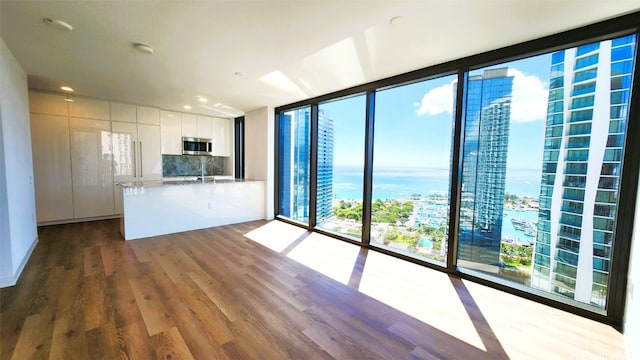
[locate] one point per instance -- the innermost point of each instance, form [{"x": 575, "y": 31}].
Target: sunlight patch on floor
[
  {"x": 331, "y": 257},
  {"x": 276, "y": 235},
  {"x": 420, "y": 292}
]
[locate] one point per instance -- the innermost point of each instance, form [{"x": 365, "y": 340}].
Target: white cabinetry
[
  {"x": 80, "y": 147},
  {"x": 150, "y": 157},
  {"x": 91, "y": 164},
  {"x": 221, "y": 137},
  {"x": 136, "y": 152},
  {"x": 170, "y": 133},
  {"x": 148, "y": 115},
  {"x": 51, "y": 166},
  {"x": 205, "y": 127},
  {"x": 123, "y": 112},
  {"x": 189, "y": 125},
  {"x": 43, "y": 103},
  {"x": 89, "y": 108}
]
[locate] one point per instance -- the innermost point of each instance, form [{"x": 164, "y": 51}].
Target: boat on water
[{"x": 518, "y": 224}]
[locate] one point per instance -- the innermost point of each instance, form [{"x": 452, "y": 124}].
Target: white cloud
[
  {"x": 528, "y": 103},
  {"x": 529, "y": 100},
  {"x": 436, "y": 101}
]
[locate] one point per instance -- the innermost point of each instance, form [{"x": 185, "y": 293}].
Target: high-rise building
[
  {"x": 295, "y": 153},
  {"x": 484, "y": 168},
  {"x": 324, "y": 203},
  {"x": 586, "y": 120}
]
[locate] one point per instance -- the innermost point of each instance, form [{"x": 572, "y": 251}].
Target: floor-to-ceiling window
[
  {"x": 340, "y": 175},
  {"x": 510, "y": 173},
  {"x": 411, "y": 168},
  {"x": 544, "y": 142},
  {"x": 294, "y": 162}
]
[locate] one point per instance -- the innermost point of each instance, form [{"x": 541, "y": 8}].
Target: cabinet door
[
  {"x": 149, "y": 148},
  {"x": 170, "y": 133},
  {"x": 43, "y": 103},
  {"x": 89, "y": 108},
  {"x": 148, "y": 115},
  {"x": 51, "y": 167},
  {"x": 189, "y": 125},
  {"x": 221, "y": 137},
  {"x": 124, "y": 140},
  {"x": 205, "y": 127},
  {"x": 92, "y": 167},
  {"x": 123, "y": 112}
]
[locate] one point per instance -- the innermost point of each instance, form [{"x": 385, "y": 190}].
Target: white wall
[
  {"x": 18, "y": 231},
  {"x": 632, "y": 309},
  {"x": 259, "y": 152}
]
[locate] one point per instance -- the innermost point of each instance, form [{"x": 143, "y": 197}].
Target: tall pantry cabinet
[{"x": 76, "y": 161}]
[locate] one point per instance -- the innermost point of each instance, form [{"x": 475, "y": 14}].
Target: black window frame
[{"x": 620, "y": 26}]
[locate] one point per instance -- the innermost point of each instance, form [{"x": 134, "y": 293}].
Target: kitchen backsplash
[{"x": 189, "y": 165}]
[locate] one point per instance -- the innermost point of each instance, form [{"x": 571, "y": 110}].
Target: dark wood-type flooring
[{"x": 216, "y": 294}]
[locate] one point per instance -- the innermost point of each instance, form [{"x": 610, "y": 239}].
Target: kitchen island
[{"x": 171, "y": 207}]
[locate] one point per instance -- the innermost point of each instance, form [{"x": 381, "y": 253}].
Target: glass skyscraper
[
  {"x": 484, "y": 168},
  {"x": 294, "y": 178},
  {"x": 584, "y": 141},
  {"x": 294, "y": 143},
  {"x": 324, "y": 204}
]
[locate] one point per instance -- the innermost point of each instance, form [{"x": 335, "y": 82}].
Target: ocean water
[{"x": 401, "y": 183}]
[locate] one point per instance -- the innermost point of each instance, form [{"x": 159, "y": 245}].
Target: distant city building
[
  {"x": 484, "y": 168},
  {"x": 294, "y": 153},
  {"x": 294, "y": 177},
  {"x": 584, "y": 139},
  {"x": 324, "y": 203}
]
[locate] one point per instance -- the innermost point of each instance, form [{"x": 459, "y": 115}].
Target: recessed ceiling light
[
  {"x": 187, "y": 107},
  {"x": 202, "y": 99},
  {"x": 396, "y": 20},
  {"x": 66, "y": 88},
  {"x": 143, "y": 48},
  {"x": 58, "y": 24}
]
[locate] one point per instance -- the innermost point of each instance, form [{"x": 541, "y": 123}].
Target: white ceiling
[{"x": 286, "y": 50}]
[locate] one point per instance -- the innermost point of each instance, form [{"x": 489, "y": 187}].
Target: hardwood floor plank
[
  {"x": 134, "y": 342},
  {"x": 175, "y": 263},
  {"x": 155, "y": 315},
  {"x": 169, "y": 345},
  {"x": 93, "y": 261},
  {"x": 68, "y": 340},
  {"x": 35, "y": 336},
  {"x": 95, "y": 309}
]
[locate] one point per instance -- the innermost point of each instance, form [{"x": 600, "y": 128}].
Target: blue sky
[{"x": 414, "y": 122}]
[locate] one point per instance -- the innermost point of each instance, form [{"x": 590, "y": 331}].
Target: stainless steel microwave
[{"x": 196, "y": 146}]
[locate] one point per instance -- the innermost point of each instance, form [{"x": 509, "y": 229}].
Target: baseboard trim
[{"x": 6, "y": 281}]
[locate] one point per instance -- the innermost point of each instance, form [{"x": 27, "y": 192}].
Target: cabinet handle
[
  {"x": 135, "y": 163},
  {"x": 141, "y": 172}
]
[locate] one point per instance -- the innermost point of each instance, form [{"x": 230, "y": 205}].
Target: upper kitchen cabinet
[
  {"x": 205, "y": 127},
  {"x": 148, "y": 115},
  {"x": 92, "y": 167},
  {"x": 43, "y": 103},
  {"x": 123, "y": 112},
  {"x": 189, "y": 125},
  {"x": 221, "y": 136},
  {"x": 89, "y": 108},
  {"x": 51, "y": 167},
  {"x": 170, "y": 132}
]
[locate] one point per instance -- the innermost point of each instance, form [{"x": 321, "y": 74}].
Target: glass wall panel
[
  {"x": 411, "y": 168},
  {"x": 294, "y": 157},
  {"x": 341, "y": 134},
  {"x": 536, "y": 220}
]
